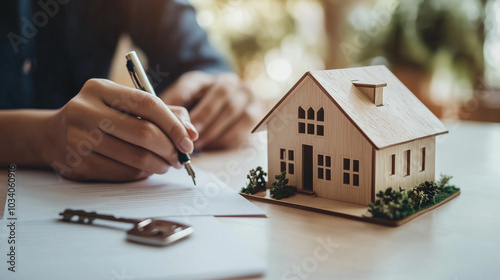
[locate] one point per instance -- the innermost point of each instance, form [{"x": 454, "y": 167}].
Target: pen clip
[{"x": 133, "y": 75}]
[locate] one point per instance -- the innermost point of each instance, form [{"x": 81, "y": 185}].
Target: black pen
[{"x": 141, "y": 81}]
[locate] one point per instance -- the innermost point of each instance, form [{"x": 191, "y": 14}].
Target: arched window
[
  {"x": 302, "y": 113},
  {"x": 310, "y": 114},
  {"x": 321, "y": 115}
]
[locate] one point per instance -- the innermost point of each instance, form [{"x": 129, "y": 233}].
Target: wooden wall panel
[{"x": 383, "y": 177}]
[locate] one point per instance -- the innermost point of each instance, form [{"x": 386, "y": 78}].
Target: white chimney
[{"x": 374, "y": 91}]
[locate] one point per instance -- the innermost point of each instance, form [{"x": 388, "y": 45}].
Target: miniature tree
[
  {"x": 417, "y": 198},
  {"x": 445, "y": 189},
  {"x": 444, "y": 180},
  {"x": 423, "y": 194},
  {"x": 391, "y": 205},
  {"x": 280, "y": 189},
  {"x": 257, "y": 181}
]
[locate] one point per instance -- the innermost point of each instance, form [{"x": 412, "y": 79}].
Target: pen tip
[{"x": 190, "y": 171}]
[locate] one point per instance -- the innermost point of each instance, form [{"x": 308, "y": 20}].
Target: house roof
[{"x": 401, "y": 119}]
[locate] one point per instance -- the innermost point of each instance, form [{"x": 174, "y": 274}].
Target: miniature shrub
[
  {"x": 444, "y": 180},
  {"x": 391, "y": 205},
  {"x": 257, "y": 181},
  {"x": 445, "y": 190},
  {"x": 417, "y": 198},
  {"x": 398, "y": 204},
  {"x": 280, "y": 189},
  {"x": 423, "y": 194}
]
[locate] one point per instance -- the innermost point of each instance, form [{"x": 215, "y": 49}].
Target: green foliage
[
  {"x": 443, "y": 181},
  {"x": 445, "y": 192},
  {"x": 417, "y": 198},
  {"x": 280, "y": 189},
  {"x": 257, "y": 181},
  {"x": 423, "y": 194},
  {"x": 399, "y": 204},
  {"x": 391, "y": 205}
]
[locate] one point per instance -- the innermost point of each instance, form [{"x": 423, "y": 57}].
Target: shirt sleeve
[{"x": 174, "y": 43}]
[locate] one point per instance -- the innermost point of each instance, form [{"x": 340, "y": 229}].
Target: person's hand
[
  {"x": 222, "y": 107},
  {"x": 97, "y": 135}
]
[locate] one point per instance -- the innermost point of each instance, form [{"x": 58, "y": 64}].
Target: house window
[
  {"x": 351, "y": 172},
  {"x": 310, "y": 128},
  {"x": 407, "y": 156},
  {"x": 324, "y": 167},
  {"x": 347, "y": 164},
  {"x": 320, "y": 130},
  {"x": 302, "y": 113},
  {"x": 321, "y": 115},
  {"x": 346, "y": 178},
  {"x": 393, "y": 164},
  {"x": 287, "y": 159},
  {"x": 310, "y": 114},
  {"x": 308, "y": 125},
  {"x": 423, "y": 159},
  {"x": 302, "y": 127}
]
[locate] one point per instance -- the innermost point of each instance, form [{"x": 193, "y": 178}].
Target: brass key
[{"x": 149, "y": 231}]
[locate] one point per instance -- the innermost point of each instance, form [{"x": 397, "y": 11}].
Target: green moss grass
[
  {"x": 396, "y": 205},
  {"x": 445, "y": 193}
]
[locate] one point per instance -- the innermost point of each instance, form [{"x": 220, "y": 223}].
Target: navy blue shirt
[{"x": 50, "y": 48}]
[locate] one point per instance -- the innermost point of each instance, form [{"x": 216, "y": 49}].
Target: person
[{"x": 59, "y": 110}]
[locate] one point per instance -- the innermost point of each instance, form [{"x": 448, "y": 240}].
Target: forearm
[{"x": 23, "y": 136}]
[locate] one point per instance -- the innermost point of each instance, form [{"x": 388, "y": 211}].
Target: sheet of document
[
  {"x": 52, "y": 249},
  {"x": 42, "y": 195}
]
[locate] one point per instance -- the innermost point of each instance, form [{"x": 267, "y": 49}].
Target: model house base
[{"x": 337, "y": 208}]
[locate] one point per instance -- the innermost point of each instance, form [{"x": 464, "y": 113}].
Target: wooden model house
[{"x": 346, "y": 134}]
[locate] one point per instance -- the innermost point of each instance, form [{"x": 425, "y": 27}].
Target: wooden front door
[{"x": 307, "y": 167}]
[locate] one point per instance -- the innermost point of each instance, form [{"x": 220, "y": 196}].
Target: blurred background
[{"x": 447, "y": 52}]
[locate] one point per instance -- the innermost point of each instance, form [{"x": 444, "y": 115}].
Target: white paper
[
  {"x": 52, "y": 249},
  {"x": 41, "y": 195}
]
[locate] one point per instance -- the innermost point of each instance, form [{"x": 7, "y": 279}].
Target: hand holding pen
[
  {"x": 97, "y": 136},
  {"x": 141, "y": 81}
]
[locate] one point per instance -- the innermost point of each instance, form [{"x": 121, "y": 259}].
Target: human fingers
[
  {"x": 239, "y": 131},
  {"x": 187, "y": 89},
  {"x": 138, "y": 132},
  {"x": 230, "y": 114},
  {"x": 97, "y": 167},
  {"x": 209, "y": 107},
  {"x": 212, "y": 103},
  {"x": 146, "y": 106},
  {"x": 131, "y": 155},
  {"x": 183, "y": 115}
]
